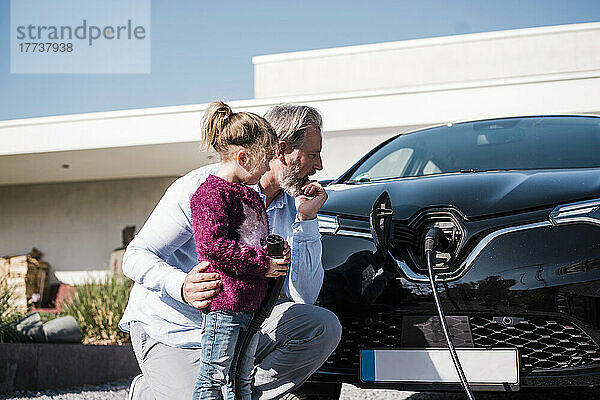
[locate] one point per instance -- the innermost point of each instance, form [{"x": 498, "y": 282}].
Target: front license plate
[{"x": 434, "y": 365}]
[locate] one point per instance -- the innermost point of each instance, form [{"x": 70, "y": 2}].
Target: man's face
[{"x": 302, "y": 163}]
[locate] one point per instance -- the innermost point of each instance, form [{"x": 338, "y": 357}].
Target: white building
[{"x": 69, "y": 184}]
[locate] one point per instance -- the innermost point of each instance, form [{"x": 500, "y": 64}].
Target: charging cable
[{"x": 432, "y": 240}]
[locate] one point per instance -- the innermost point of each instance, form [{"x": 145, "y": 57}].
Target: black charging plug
[{"x": 435, "y": 239}]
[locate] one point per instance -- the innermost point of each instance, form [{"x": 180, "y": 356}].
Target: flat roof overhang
[
  {"x": 378, "y": 90},
  {"x": 165, "y": 141}
]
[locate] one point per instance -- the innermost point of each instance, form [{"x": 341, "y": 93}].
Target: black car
[{"x": 517, "y": 205}]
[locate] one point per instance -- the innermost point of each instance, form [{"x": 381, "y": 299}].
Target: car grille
[
  {"x": 378, "y": 331},
  {"x": 544, "y": 344},
  {"x": 405, "y": 235}
]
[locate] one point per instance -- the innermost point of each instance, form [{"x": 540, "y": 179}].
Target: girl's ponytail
[
  {"x": 223, "y": 129},
  {"x": 216, "y": 117}
]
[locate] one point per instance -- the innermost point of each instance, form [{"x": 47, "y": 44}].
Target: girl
[{"x": 229, "y": 221}]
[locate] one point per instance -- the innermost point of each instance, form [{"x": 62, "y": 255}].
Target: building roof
[{"x": 549, "y": 70}]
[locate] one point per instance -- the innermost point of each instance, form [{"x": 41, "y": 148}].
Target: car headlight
[
  {"x": 584, "y": 211},
  {"x": 328, "y": 224}
]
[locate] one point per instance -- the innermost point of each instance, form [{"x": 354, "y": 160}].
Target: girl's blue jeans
[{"x": 224, "y": 331}]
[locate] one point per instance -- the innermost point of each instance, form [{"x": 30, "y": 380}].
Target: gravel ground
[
  {"x": 350, "y": 392},
  {"x": 118, "y": 391},
  {"x": 108, "y": 391}
]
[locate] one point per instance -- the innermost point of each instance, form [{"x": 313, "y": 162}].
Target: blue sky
[{"x": 203, "y": 50}]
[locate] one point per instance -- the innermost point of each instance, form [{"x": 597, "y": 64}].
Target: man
[{"x": 163, "y": 314}]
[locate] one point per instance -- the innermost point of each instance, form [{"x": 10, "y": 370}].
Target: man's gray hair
[{"x": 290, "y": 122}]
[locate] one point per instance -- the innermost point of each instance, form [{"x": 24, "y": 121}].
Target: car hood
[{"x": 473, "y": 194}]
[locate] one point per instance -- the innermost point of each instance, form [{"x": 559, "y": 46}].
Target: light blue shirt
[{"x": 163, "y": 252}]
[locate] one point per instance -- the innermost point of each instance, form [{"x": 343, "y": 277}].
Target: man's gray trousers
[{"x": 293, "y": 343}]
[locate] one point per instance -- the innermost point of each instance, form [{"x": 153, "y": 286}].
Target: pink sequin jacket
[{"x": 229, "y": 222}]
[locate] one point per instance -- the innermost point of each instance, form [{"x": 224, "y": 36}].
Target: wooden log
[
  {"x": 18, "y": 265},
  {"x": 4, "y": 267},
  {"x": 27, "y": 276}
]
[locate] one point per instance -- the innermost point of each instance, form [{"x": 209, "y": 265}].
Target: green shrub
[
  {"x": 98, "y": 307},
  {"x": 6, "y": 294},
  {"x": 8, "y": 313}
]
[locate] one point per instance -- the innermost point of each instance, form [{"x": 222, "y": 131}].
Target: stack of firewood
[{"x": 26, "y": 276}]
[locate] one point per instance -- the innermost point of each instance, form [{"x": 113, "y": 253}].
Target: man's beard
[{"x": 290, "y": 179}]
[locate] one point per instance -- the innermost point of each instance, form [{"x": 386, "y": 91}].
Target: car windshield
[{"x": 502, "y": 144}]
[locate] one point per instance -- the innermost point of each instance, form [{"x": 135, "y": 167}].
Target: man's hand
[
  {"x": 310, "y": 201},
  {"x": 279, "y": 266},
  {"x": 199, "y": 286}
]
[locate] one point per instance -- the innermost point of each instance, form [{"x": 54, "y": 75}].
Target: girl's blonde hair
[{"x": 224, "y": 129}]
